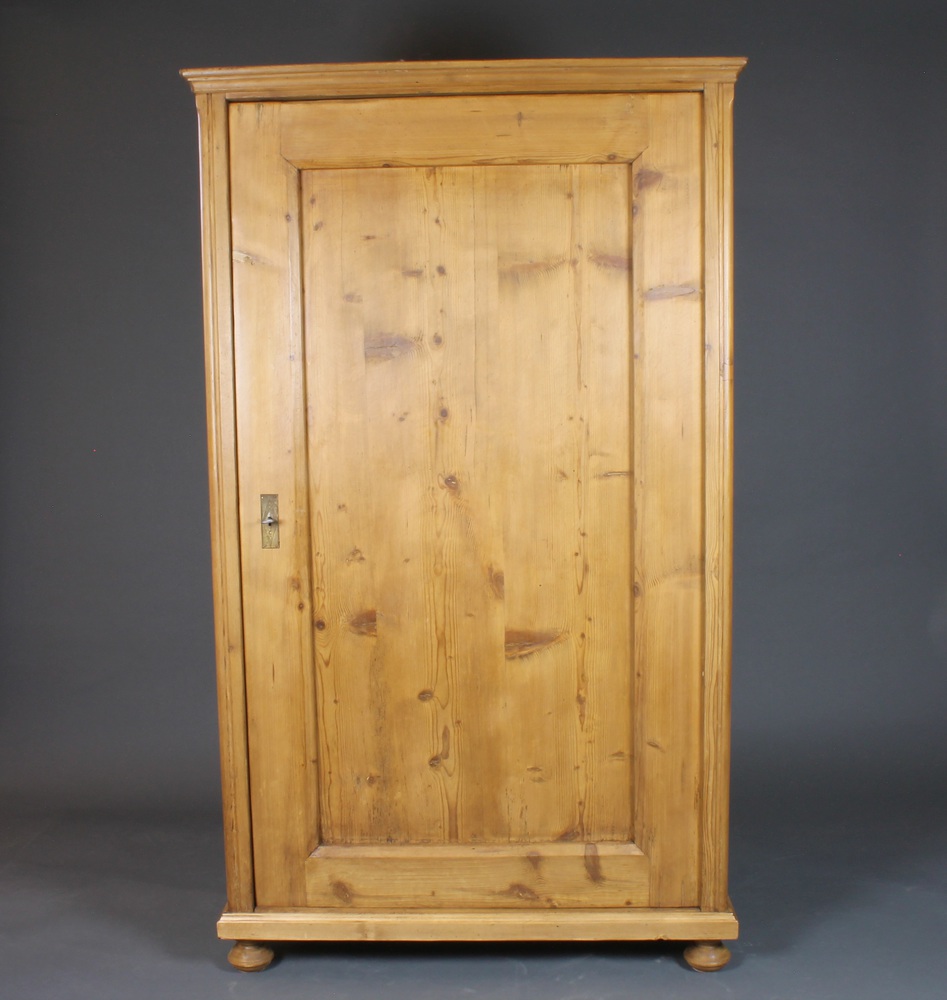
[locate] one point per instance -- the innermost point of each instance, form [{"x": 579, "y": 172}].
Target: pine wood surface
[
  {"x": 454, "y": 876},
  {"x": 440, "y": 131},
  {"x": 482, "y": 392},
  {"x": 481, "y": 349},
  {"x": 312, "y": 924},
  {"x": 512, "y": 76},
  {"x": 223, "y": 490},
  {"x": 271, "y": 444},
  {"x": 718, "y": 492},
  {"x": 667, "y": 366},
  {"x": 250, "y": 956},
  {"x": 707, "y": 956}
]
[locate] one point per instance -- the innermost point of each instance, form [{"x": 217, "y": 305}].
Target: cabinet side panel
[
  {"x": 271, "y": 443},
  {"x": 668, "y": 462},
  {"x": 718, "y": 330},
  {"x": 225, "y": 548}
]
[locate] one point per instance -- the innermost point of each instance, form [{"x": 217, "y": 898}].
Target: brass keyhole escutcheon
[{"x": 269, "y": 520}]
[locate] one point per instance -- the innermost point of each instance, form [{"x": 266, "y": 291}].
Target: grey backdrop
[{"x": 107, "y": 706}]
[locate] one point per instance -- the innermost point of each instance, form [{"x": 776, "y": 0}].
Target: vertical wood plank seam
[
  {"x": 637, "y": 502},
  {"x": 304, "y": 547},
  {"x": 633, "y": 496}
]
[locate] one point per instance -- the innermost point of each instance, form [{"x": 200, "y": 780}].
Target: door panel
[
  {"x": 472, "y": 502},
  {"x": 474, "y": 667}
]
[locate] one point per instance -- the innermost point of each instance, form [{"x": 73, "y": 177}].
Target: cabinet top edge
[{"x": 391, "y": 79}]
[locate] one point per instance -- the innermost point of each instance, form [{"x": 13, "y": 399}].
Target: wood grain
[
  {"x": 668, "y": 461},
  {"x": 441, "y": 131},
  {"x": 389, "y": 495},
  {"x": 224, "y": 517},
  {"x": 707, "y": 956},
  {"x": 334, "y": 924},
  {"x": 271, "y": 445},
  {"x": 557, "y": 421},
  {"x": 512, "y": 76},
  {"x": 480, "y": 346},
  {"x": 718, "y": 530},
  {"x": 249, "y": 956},
  {"x": 499, "y": 424},
  {"x": 461, "y": 876}
]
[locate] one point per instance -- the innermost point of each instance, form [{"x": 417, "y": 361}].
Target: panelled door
[{"x": 469, "y": 366}]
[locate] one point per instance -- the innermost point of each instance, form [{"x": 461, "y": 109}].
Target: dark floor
[{"x": 840, "y": 895}]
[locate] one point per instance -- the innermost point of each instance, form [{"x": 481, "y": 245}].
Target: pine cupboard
[{"x": 469, "y": 370}]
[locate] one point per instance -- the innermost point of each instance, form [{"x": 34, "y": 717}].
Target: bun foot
[
  {"x": 707, "y": 956},
  {"x": 250, "y": 956}
]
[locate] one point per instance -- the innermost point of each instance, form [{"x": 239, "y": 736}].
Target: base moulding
[{"x": 476, "y": 925}]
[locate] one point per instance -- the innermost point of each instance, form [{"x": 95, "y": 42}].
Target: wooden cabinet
[{"x": 468, "y": 335}]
